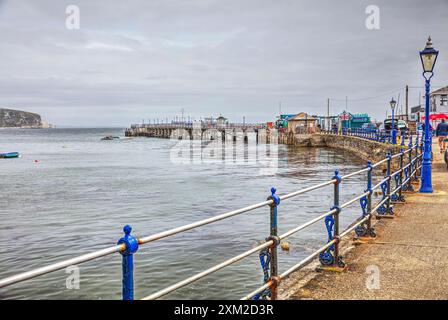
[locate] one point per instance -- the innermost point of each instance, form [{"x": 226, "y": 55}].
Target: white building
[
  {"x": 438, "y": 103},
  {"x": 439, "y": 100}
]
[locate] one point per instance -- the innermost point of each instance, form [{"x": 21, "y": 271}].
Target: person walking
[{"x": 442, "y": 134}]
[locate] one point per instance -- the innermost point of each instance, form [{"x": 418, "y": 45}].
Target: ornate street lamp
[
  {"x": 393, "y": 103},
  {"x": 428, "y": 57}
]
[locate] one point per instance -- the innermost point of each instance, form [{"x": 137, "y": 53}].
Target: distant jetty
[
  {"x": 200, "y": 131},
  {"x": 10, "y": 118}
]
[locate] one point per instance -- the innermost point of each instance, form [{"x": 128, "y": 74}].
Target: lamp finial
[{"x": 429, "y": 43}]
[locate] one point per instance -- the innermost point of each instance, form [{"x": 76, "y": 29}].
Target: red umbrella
[{"x": 436, "y": 116}]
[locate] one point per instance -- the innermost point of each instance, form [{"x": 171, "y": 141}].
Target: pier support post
[
  {"x": 274, "y": 237},
  {"x": 131, "y": 244}
]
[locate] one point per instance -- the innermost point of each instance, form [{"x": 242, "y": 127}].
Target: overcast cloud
[{"x": 133, "y": 60}]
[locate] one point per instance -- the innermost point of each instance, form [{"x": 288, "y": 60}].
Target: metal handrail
[
  {"x": 200, "y": 223},
  {"x": 60, "y": 265},
  {"x": 204, "y": 273},
  {"x": 302, "y": 191},
  {"x": 123, "y": 247}
]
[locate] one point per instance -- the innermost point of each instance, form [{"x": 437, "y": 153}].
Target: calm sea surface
[{"x": 71, "y": 193}]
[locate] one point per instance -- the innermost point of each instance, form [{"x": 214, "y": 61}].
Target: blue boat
[{"x": 9, "y": 155}]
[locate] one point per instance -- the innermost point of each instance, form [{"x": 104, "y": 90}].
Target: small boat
[
  {"x": 110, "y": 138},
  {"x": 9, "y": 155}
]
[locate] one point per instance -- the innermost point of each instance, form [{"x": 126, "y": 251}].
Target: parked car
[{"x": 399, "y": 125}]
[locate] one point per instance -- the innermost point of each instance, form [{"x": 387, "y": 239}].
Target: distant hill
[{"x": 19, "y": 119}]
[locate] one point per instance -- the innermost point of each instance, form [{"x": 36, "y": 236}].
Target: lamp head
[
  {"x": 393, "y": 103},
  {"x": 428, "y": 57}
]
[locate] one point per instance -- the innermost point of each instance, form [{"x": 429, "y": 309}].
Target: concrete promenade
[{"x": 410, "y": 252}]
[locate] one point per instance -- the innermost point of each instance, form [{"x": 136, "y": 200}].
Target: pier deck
[{"x": 410, "y": 251}]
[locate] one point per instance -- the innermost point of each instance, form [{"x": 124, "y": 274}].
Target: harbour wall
[{"x": 363, "y": 148}]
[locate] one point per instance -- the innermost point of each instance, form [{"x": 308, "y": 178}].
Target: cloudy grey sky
[{"x": 133, "y": 60}]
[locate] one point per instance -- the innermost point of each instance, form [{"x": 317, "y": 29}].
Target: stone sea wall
[{"x": 365, "y": 149}]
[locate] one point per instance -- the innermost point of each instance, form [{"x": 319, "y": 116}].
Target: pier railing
[
  {"x": 392, "y": 187},
  {"x": 199, "y": 125}
]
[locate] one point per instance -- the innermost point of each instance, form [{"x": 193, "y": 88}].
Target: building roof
[
  {"x": 287, "y": 116},
  {"x": 417, "y": 109},
  {"x": 443, "y": 90},
  {"x": 302, "y": 116}
]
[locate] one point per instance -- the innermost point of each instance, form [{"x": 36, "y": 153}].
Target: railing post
[
  {"x": 330, "y": 257},
  {"x": 412, "y": 165},
  {"x": 274, "y": 237},
  {"x": 337, "y": 189},
  {"x": 400, "y": 192},
  {"x": 365, "y": 230},
  {"x": 131, "y": 244},
  {"x": 389, "y": 181},
  {"x": 420, "y": 145},
  {"x": 416, "y": 164},
  {"x": 370, "y": 231}
]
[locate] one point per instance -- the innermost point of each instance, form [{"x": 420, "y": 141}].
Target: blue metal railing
[
  {"x": 329, "y": 254},
  {"x": 383, "y": 136}
]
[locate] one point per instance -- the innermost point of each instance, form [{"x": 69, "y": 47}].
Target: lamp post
[
  {"x": 393, "y": 103},
  {"x": 428, "y": 57}
]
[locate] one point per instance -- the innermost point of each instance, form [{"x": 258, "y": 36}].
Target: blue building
[{"x": 353, "y": 121}]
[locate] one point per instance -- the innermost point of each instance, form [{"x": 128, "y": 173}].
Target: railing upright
[
  {"x": 128, "y": 263},
  {"x": 400, "y": 191},
  {"x": 274, "y": 236},
  {"x": 370, "y": 231},
  {"x": 415, "y": 163},
  {"x": 412, "y": 164},
  {"x": 337, "y": 188},
  {"x": 389, "y": 181}
]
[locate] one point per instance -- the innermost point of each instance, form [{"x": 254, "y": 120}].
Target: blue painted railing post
[
  {"x": 330, "y": 257},
  {"x": 412, "y": 166},
  {"x": 131, "y": 246},
  {"x": 412, "y": 163},
  {"x": 414, "y": 159},
  {"x": 274, "y": 237},
  {"x": 337, "y": 189},
  {"x": 400, "y": 192},
  {"x": 389, "y": 182},
  {"x": 370, "y": 231},
  {"x": 422, "y": 138}
]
